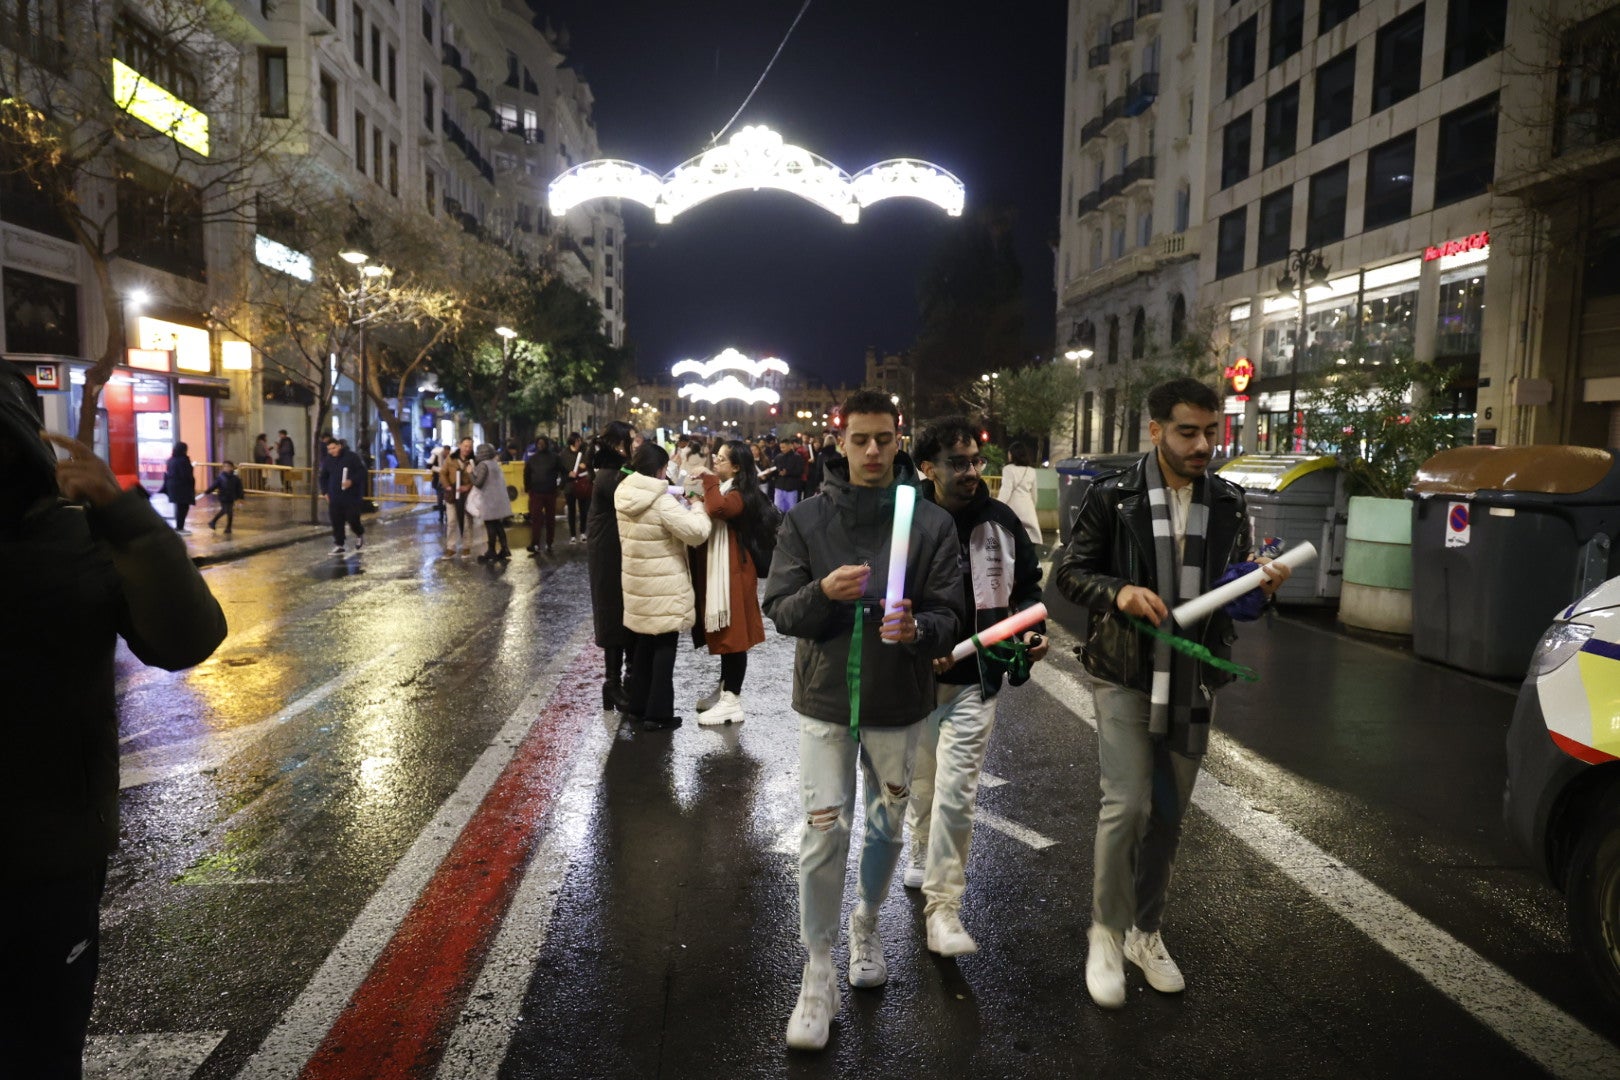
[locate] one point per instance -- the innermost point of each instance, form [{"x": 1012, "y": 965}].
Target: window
[
  {"x": 1144, "y": 228},
  {"x": 160, "y": 221},
  {"x": 1183, "y": 208},
  {"x": 328, "y": 104},
  {"x": 393, "y": 168},
  {"x": 1139, "y": 334},
  {"x": 393, "y": 74},
  {"x": 1282, "y": 126},
  {"x": 1287, "y": 29},
  {"x": 272, "y": 82},
  {"x": 376, "y": 55},
  {"x": 1460, "y": 326},
  {"x": 432, "y": 192},
  {"x": 1235, "y": 143},
  {"x": 427, "y": 25},
  {"x": 1178, "y": 318},
  {"x": 328, "y": 10},
  {"x": 1466, "y": 162},
  {"x": 1086, "y": 408},
  {"x": 1110, "y": 408},
  {"x": 1474, "y": 30},
  {"x": 1276, "y": 226},
  {"x": 1113, "y": 339},
  {"x": 24, "y": 203},
  {"x": 1230, "y": 242},
  {"x": 529, "y": 85},
  {"x": 357, "y": 35},
  {"x": 1588, "y": 108},
  {"x": 1096, "y": 249},
  {"x": 360, "y": 141},
  {"x": 154, "y": 57},
  {"x": 427, "y": 104},
  {"x": 1398, "y": 61},
  {"x": 509, "y": 117},
  {"x": 377, "y": 154},
  {"x": 1335, "y": 12},
  {"x": 1389, "y": 181},
  {"x": 1324, "y": 222},
  {"x": 514, "y": 70},
  {"x": 42, "y": 314},
  {"x": 1240, "y": 52},
  {"x": 1118, "y": 245},
  {"x": 1335, "y": 95},
  {"x": 607, "y": 298}
]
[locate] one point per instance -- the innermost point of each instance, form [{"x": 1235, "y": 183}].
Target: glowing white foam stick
[
  {"x": 1200, "y": 607},
  {"x": 1012, "y": 625},
  {"x": 905, "y": 505}
]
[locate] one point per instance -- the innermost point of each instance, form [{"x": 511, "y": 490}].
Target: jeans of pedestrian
[
  {"x": 345, "y": 510},
  {"x": 786, "y": 500},
  {"x": 827, "y": 763},
  {"x": 50, "y": 944},
  {"x": 652, "y": 675},
  {"x": 542, "y": 516},
  {"x": 581, "y": 503},
  {"x": 1145, "y": 791},
  {"x": 227, "y": 510},
  {"x": 945, "y": 790}
]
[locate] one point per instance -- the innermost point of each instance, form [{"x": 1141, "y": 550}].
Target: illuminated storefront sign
[
  {"x": 236, "y": 356},
  {"x": 755, "y": 158},
  {"x": 1480, "y": 241},
  {"x": 149, "y": 103},
  {"x": 150, "y": 359},
  {"x": 281, "y": 257},
  {"x": 188, "y": 343}
]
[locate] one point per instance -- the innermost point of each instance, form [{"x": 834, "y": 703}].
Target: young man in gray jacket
[{"x": 862, "y": 682}]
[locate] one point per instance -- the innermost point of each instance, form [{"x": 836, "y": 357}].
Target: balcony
[
  {"x": 1137, "y": 172},
  {"x": 1091, "y": 129},
  {"x": 1122, "y": 31},
  {"x": 1088, "y": 204},
  {"x": 1097, "y": 57},
  {"x": 1141, "y": 94},
  {"x": 1148, "y": 8},
  {"x": 1112, "y": 188},
  {"x": 1113, "y": 112}
]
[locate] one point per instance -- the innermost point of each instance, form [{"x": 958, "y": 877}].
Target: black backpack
[{"x": 761, "y": 543}]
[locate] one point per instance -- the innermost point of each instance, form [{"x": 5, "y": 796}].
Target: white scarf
[{"x": 717, "y": 586}]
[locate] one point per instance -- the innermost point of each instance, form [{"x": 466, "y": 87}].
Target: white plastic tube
[{"x": 1200, "y": 607}]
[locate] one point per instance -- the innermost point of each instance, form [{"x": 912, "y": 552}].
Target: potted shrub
[{"x": 1379, "y": 418}]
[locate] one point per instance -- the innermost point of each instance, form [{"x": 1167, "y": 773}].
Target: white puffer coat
[{"x": 655, "y": 530}]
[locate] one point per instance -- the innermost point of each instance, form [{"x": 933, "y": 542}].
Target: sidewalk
[{"x": 263, "y": 523}]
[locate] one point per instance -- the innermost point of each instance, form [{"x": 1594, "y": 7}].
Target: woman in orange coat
[{"x": 729, "y": 604}]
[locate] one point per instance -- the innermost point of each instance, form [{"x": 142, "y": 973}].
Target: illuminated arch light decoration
[
  {"x": 730, "y": 388},
  {"x": 730, "y": 360},
  {"x": 754, "y": 158}
]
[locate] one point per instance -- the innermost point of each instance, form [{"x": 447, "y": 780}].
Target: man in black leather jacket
[
  {"x": 1112, "y": 566},
  {"x": 86, "y": 563}
]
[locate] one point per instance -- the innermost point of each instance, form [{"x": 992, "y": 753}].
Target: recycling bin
[
  {"x": 1295, "y": 499},
  {"x": 1074, "y": 477},
  {"x": 1503, "y": 538}
]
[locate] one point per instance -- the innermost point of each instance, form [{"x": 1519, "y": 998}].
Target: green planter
[{"x": 1377, "y": 592}]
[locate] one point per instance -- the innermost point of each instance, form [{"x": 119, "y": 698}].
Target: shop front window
[
  {"x": 1387, "y": 325},
  {"x": 1461, "y": 317}
]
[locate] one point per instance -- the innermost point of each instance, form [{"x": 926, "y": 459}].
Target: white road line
[
  {"x": 214, "y": 749},
  {"x": 298, "y": 1033},
  {"x": 160, "y": 1055},
  {"x": 490, "y": 1017},
  {"x": 127, "y": 739},
  {"x": 990, "y": 780},
  {"x": 981, "y": 816},
  {"x": 1539, "y": 1030}
]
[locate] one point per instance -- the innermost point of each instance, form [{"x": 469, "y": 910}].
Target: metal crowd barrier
[{"x": 293, "y": 481}]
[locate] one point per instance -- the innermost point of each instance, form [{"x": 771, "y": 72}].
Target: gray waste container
[
  {"x": 1074, "y": 480},
  {"x": 1294, "y": 499},
  {"x": 1503, "y": 537}
]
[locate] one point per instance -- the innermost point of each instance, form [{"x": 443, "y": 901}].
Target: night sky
[{"x": 976, "y": 89}]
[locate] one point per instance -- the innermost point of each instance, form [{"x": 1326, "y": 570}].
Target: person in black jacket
[
  {"x": 228, "y": 486},
  {"x": 343, "y": 482},
  {"x": 605, "y": 558},
  {"x": 790, "y": 473},
  {"x": 542, "y": 473},
  {"x": 87, "y": 564},
  {"x": 826, "y": 588},
  {"x": 180, "y": 485},
  {"x": 1156, "y": 534},
  {"x": 1002, "y": 574}
]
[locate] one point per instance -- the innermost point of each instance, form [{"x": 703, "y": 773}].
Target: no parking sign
[{"x": 1458, "y": 526}]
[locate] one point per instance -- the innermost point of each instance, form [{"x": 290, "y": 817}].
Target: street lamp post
[
  {"x": 1305, "y": 267},
  {"x": 989, "y": 415},
  {"x": 368, "y": 271},
  {"x": 507, "y": 334},
  {"x": 1080, "y": 348}
]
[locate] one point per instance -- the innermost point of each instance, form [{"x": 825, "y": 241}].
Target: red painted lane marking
[
  {"x": 1589, "y": 754},
  {"x": 398, "y": 1022}
]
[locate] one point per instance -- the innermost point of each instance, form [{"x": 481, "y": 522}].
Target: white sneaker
[
  {"x": 1105, "y": 967},
  {"x": 867, "y": 968},
  {"x": 728, "y": 710},
  {"x": 913, "y": 877},
  {"x": 338, "y": 550},
  {"x": 946, "y": 936},
  {"x": 818, "y": 1000},
  {"x": 359, "y": 542},
  {"x": 1147, "y": 952},
  {"x": 712, "y": 698}
]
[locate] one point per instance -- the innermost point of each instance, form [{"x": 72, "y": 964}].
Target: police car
[{"x": 1562, "y": 803}]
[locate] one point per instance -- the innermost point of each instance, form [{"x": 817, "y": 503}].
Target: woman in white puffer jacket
[{"x": 655, "y": 529}]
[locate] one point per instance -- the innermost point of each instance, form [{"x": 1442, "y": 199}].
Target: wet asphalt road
[{"x": 393, "y": 787}]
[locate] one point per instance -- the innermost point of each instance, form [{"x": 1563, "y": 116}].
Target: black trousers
[
  {"x": 227, "y": 510},
  {"x": 652, "y": 675},
  {"x": 733, "y": 666},
  {"x": 50, "y": 951},
  {"x": 345, "y": 511},
  {"x": 180, "y": 511},
  {"x": 584, "y": 508}
]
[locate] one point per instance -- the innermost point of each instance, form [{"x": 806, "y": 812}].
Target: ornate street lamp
[
  {"x": 1304, "y": 268},
  {"x": 1082, "y": 346}
]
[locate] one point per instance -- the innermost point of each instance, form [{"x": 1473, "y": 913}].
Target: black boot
[{"x": 614, "y": 695}]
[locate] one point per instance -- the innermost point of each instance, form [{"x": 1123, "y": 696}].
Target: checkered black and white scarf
[{"x": 1179, "y": 708}]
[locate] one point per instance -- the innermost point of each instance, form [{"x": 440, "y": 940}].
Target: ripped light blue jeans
[{"x": 827, "y": 762}]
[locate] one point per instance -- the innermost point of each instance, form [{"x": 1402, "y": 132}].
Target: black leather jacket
[{"x": 1112, "y": 547}]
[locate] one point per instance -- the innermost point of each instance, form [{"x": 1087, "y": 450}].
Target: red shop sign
[
  {"x": 1241, "y": 374},
  {"x": 1478, "y": 242}
]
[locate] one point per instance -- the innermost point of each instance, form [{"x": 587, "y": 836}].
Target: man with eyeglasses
[
  {"x": 1149, "y": 537},
  {"x": 1000, "y": 573},
  {"x": 863, "y": 679}
]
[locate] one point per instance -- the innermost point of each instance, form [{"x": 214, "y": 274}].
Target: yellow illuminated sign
[{"x": 149, "y": 103}]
